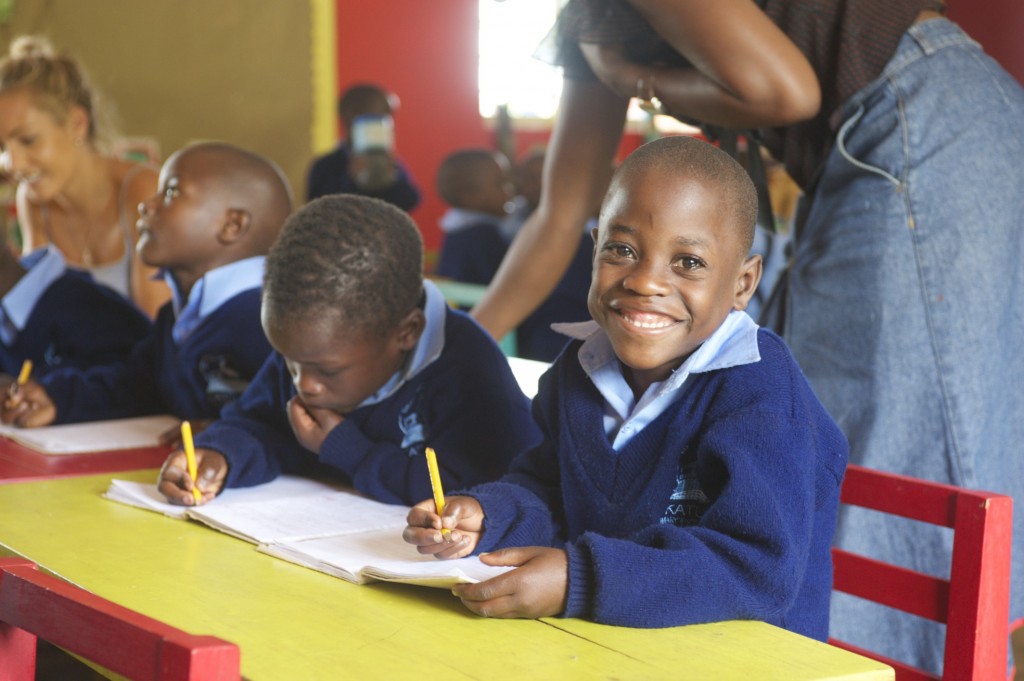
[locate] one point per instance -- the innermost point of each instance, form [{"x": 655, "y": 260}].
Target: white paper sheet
[{"x": 95, "y": 436}]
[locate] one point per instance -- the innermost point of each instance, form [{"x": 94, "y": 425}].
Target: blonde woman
[{"x": 70, "y": 193}]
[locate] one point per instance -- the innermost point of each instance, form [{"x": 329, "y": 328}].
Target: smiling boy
[{"x": 687, "y": 473}]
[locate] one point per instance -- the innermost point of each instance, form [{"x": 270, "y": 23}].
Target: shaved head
[
  {"x": 689, "y": 157},
  {"x": 245, "y": 181}
]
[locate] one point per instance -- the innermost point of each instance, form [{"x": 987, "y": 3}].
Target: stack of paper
[{"x": 316, "y": 525}]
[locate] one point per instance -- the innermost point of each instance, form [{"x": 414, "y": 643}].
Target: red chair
[
  {"x": 123, "y": 641},
  {"x": 973, "y": 603}
]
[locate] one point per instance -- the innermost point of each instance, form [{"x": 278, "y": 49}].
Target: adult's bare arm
[
  {"x": 746, "y": 71},
  {"x": 586, "y": 135}
]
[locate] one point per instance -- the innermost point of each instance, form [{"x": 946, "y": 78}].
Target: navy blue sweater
[
  {"x": 722, "y": 508},
  {"x": 76, "y": 323},
  {"x": 473, "y": 253},
  {"x": 466, "y": 404},
  {"x": 191, "y": 381}
]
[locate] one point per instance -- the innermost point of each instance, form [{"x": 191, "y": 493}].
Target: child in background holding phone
[{"x": 364, "y": 162}]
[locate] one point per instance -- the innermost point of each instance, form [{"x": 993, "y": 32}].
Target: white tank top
[{"x": 118, "y": 274}]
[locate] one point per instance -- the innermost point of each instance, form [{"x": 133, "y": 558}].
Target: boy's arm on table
[
  {"x": 522, "y": 501},
  {"x": 97, "y": 326},
  {"x": 745, "y": 559},
  {"x": 524, "y": 507},
  {"x": 475, "y": 417},
  {"x": 118, "y": 390},
  {"x": 253, "y": 433}
]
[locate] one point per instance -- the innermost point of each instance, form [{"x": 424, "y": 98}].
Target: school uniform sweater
[
  {"x": 473, "y": 246},
  {"x": 191, "y": 380},
  {"x": 75, "y": 323},
  {"x": 723, "y": 507},
  {"x": 465, "y": 404}
]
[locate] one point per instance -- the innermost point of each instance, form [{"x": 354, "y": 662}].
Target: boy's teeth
[{"x": 648, "y": 321}]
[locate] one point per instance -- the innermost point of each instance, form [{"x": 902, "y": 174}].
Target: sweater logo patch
[
  {"x": 411, "y": 427},
  {"x": 223, "y": 382},
  {"x": 52, "y": 356},
  {"x": 688, "y": 502}
]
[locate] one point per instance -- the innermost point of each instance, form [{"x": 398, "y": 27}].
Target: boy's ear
[
  {"x": 746, "y": 282},
  {"x": 236, "y": 223},
  {"x": 410, "y": 329}
]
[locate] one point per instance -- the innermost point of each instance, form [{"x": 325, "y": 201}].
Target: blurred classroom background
[{"x": 265, "y": 74}]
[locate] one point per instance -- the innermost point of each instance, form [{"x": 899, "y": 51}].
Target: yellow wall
[{"x": 181, "y": 70}]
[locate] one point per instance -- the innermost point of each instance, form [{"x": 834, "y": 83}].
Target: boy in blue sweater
[
  {"x": 217, "y": 211},
  {"x": 478, "y": 229},
  {"x": 59, "y": 317},
  {"x": 476, "y": 185},
  {"x": 370, "y": 368},
  {"x": 687, "y": 473}
]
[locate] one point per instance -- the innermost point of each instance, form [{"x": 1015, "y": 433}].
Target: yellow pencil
[
  {"x": 190, "y": 458},
  {"x": 435, "y": 484},
  {"x": 26, "y": 371}
]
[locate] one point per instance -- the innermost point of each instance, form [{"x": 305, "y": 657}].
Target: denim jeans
[{"x": 904, "y": 304}]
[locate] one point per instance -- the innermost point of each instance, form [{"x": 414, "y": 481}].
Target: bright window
[
  {"x": 509, "y": 74},
  {"x": 510, "y": 32}
]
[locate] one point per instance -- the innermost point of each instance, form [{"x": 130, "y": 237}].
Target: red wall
[
  {"x": 998, "y": 25},
  {"x": 426, "y": 52}
]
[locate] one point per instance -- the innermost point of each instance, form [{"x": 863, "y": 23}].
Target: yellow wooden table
[{"x": 294, "y": 623}]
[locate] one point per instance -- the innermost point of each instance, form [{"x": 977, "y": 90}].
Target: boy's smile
[{"x": 669, "y": 266}]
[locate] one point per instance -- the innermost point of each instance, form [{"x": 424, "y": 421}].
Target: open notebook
[
  {"x": 95, "y": 436},
  {"x": 319, "y": 526}
]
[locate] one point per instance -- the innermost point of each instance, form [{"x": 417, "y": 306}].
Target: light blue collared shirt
[
  {"x": 428, "y": 347},
  {"x": 45, "y": 265},
  {"x": 215, "y": 288},
  {"x": 734, "y": 343}
]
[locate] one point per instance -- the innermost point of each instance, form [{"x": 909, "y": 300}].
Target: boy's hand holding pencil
[
  {"x": 443, "y": 527},
  {"x": 462, "y": 517},
  {"x": 26, "y": 404},
  {"x": 190, "y": 476}
]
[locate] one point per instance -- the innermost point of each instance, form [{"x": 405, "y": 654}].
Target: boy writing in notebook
[
  {"x": 687, "y": 472},
  {"x": 370, "y": 368},
  {"x": 216, "y": 213}
]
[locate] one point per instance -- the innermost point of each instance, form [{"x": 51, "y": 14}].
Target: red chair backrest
[
  {"x": 973, "y": 603},
  {"x": 34, "y": 604}
]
